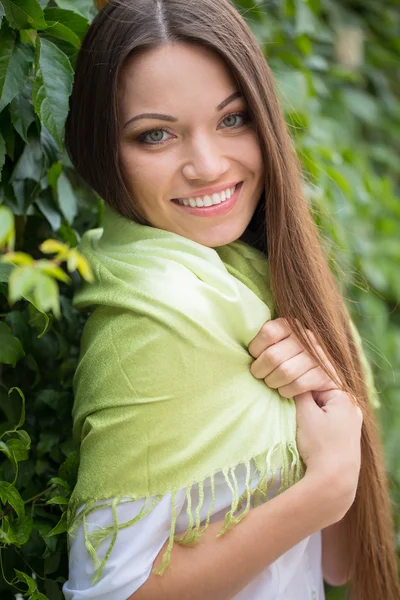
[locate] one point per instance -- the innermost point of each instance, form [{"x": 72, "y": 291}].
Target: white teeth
[
  {"x": 216, "y": 198},
  {"x": 208, "y": 200}
]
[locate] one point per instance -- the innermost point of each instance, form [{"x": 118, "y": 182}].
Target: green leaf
[
  {"x": 1, "y": 14},
  {"x": 61, "y": 482},
  {"x": 6, "y": 227},
  {"x": 39, "y": 320},
  {"x": 67, "y": 199},
  {"x": 49, "y": 145},
  {"x": 16, "y": 60},
  {"x": 5, "y": 271},
  {"x": 82, "y": 7},
  {"x": 74, "y": 21},
  {"x": 21, "y": 421},
  {"x": 18, "y": 449},
  {"x": 52, "y": 87},
  {"x": 24, "y": 578},
  {"x": 58, "y": 30},
  {"x": 61, "y": 526},
  {"x": 7, "y": 452},
  {"x": 2, "y": 153},
  {"x": 9, "y": 494},
  {"x": 58, "y": 500},
  {"x": 11, "y": 349},
  {"x": 22, "y": 113},
  {"x": 50, "y": 212},
  {"x": 22, "y": 281},
  {"x": 50, "y": 268},
  {"x": 29, "y": 164},
  {"x": 24, "y": 14},
  {"x": 46, "y": 294},
  {"x": 7, "y": 43}
]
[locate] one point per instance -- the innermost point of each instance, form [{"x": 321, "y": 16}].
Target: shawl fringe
[{"x": 292, "y": 470}]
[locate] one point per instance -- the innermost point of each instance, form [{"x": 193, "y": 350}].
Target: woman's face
[{"x": 198, "y": 146}]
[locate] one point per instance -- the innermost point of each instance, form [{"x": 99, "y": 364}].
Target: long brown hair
[{"x": 304, "y": 288}]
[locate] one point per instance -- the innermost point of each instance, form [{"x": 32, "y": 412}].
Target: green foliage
[{"x": 337, "y": 70}]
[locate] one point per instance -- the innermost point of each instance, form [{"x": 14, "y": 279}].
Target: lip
[
  {"x": 215, "y": 209},
  {"x": 208, "y": 191}
]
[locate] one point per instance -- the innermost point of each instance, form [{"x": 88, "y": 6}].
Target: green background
[{"x": 337, "y": 67}]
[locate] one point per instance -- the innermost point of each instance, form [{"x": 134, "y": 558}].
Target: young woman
[{"x": 221, "y": 402}]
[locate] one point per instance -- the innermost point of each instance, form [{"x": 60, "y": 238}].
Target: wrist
[{"x": 335, "y": 491}]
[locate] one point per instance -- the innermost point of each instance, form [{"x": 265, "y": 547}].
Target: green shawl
[{"x": 164, "y": 397}]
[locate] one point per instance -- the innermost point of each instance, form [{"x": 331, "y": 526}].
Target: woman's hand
[
  {"x": 329, "y": 425},
  {"x": 283, "y": 363}
]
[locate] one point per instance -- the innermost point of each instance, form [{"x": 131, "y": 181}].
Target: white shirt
[{"x": 296, "y": 575}]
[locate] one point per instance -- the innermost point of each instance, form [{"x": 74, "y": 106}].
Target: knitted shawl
[{"x": 164, "y": 397}]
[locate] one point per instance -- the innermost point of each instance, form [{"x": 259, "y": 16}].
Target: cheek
[
  {"x": 250, "y": 155},
  {"x": 139, "y": 172}
]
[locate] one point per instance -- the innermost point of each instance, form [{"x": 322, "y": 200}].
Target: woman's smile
[{"x": 211, "y": 205}]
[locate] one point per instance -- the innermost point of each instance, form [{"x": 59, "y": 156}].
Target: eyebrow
[{"x": 159, "y": 116}]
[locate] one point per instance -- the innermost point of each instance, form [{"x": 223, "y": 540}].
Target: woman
[{"x": 175, "y": 123}]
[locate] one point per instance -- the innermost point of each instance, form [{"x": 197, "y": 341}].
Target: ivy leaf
[
  {"x": 18, "y": 449},
  {"x": 61, "y": 482},
  {"x": 61, "y": 526},
  {"x": 24, "y": 578},
  {"x": 58, "y": 500},
  {"x": 22, "y": 416},
  {"x": 52, "y": 87},
  {"x": 11, "y": 349},
  {"x": 26, "y": 14},
  {"x": 16, "y": 60},
  {"x": 9, "y": 494}
]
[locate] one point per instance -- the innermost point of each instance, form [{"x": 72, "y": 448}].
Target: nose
[{"x": 205, "y": 160}]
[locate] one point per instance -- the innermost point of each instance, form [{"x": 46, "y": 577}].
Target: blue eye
[
  {"x": 244, "y": 115},
  {"x": 144, "y": 138}
]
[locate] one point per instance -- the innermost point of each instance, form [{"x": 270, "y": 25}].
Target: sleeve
[{"x": 132, "y": 557}]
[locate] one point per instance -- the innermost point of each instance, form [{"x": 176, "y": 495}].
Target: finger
[
  {"x": 315, "y": 379},
  {"x": 274, "y": 356},
  {"x": 290, "y": 370},
  {"x": 270, "y": 333}
]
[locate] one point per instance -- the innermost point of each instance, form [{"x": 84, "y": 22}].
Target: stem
[{"x": 40, "y": 494}]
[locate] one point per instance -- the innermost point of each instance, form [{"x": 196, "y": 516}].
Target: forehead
[{"x": 174, "y": 75}]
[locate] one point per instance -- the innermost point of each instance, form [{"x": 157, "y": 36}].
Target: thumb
[{"x": 306, "y": 405}]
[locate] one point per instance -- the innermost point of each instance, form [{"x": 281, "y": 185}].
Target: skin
[
  {"x": 203, "y": 148},
  {"x": 284, "y": 364}
]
